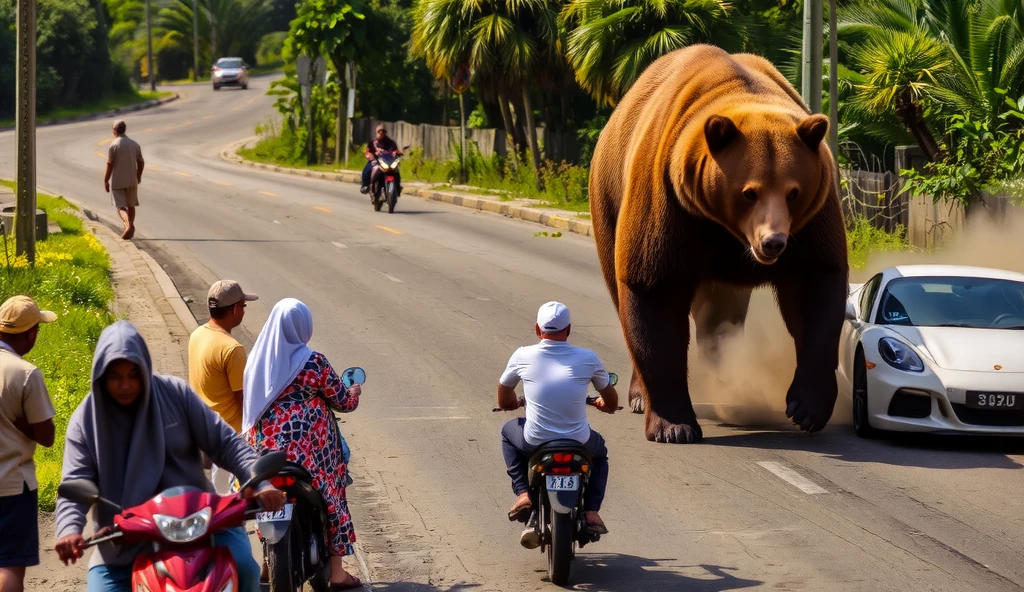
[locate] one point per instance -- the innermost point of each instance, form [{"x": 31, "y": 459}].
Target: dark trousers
[
  {"x": 366, "y": 175},
  {"x": 517, "y": 453}
]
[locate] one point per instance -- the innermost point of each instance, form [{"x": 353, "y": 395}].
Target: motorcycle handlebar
[{"x": 522, "y": 403}]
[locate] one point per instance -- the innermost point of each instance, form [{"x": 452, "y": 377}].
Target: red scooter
[{"x": 179, "y": 523}]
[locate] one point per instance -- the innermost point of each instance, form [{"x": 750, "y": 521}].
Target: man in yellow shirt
[{"x": 216, "y": 362}]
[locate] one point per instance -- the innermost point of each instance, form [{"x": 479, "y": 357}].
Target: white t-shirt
[{"x": 555, "y": 376}]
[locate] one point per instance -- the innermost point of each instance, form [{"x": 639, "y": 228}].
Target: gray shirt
[{"x": 125, "y": 155}]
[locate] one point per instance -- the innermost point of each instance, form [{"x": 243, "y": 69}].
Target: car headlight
[
  {"x": 899, "y": 355},
  {"x": 183, "y": 530}
]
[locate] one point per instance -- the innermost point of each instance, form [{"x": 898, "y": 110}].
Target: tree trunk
[
  {"x": 531, "y": 134},
  {"x": 340, "y": 137},
  {"x": 519, "y": 109},
  {"x": 506, "y": 119},
  {"x": 910, "y": 113}
]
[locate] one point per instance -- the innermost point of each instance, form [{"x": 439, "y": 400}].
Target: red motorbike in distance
[{"x": 179, "y": 523}]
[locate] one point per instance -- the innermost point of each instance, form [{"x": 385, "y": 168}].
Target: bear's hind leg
[
  {"x": 813, "y": 306},
  {"x": 657, "y": 329},
  {"x": 717, "y": 309}
]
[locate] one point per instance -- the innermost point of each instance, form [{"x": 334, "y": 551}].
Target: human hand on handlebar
[
  {"x": 355, "y": 390},
  {"x": 603, "y": 406},
  {"x": 271, "y": 498},
  {"x": 70, "y": 548}
]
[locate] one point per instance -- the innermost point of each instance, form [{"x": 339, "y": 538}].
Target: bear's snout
[{"x": 773, "y": 245}]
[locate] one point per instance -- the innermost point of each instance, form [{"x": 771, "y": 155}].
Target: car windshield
[
  {"x": 229, "y": 64},
  {"x": 981, "y": 303}
]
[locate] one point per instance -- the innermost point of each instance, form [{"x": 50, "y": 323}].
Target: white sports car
[{"x": 935, "y": 348}]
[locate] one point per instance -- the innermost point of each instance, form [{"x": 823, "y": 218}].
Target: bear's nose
[{"x": 774, "y": 245}]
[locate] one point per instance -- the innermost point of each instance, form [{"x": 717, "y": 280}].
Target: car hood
[
  {"x": 230, "y": 71},
  {"x": 972, "y": 350}
]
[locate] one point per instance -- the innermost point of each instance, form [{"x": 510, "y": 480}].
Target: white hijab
[{"x": 276, "y": 359}]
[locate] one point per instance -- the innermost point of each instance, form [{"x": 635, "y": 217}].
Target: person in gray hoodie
[{"x": 134, "y": 435}]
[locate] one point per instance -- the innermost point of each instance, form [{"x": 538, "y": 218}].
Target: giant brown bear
[{"x": 710, "y": 179}]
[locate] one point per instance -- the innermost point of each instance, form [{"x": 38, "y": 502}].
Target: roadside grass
[
  {"x": 72, "y": 278},
  {"x": 112, "y": 102},
  {"x": 863, "y": 239}
]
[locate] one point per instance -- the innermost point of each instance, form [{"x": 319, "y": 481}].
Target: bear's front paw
[
  {"x": 636, "y": 402},
  {"x": 660, "y": 430},
  {"x": 810, "y": 403}
]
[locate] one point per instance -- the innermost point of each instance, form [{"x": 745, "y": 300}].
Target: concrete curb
[
  {"x": 559, "y": 220},
  {"x": 102, "y": 114}
]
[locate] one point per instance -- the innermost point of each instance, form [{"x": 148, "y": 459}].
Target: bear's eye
[
  {"x": 793, "y": 195},
  {"x": 750, "y": 194}
]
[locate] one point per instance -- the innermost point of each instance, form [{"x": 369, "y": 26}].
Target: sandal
[
  {"x": 352, "y": 584},
  {"x": 594, "y": 528}
]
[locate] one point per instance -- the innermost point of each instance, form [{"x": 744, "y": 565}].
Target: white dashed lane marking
[{"x": 792, "y": 477}]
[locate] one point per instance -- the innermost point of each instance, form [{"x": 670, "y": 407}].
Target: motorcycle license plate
[
  {"x": 563, "y": 482},
  {"x": 284, "y": 514},
  {"x": 389, "y": 179}
]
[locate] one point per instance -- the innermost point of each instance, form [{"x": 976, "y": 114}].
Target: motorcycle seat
[
  {"x": 294, "y": 469},
  {"x": 553, "y": 446}
]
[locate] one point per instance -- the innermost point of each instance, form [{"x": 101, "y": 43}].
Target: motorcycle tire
[
  {"x": 377, "y": 203},
  {"x": 391, "y": 197},
  {"x": 560, "y": 550},
  {"x": 279, "y": 562}
]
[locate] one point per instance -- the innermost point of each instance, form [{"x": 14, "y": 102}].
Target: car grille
[
  {"x": 907, "y": 404},
  {"x": 988, "y": 417}
]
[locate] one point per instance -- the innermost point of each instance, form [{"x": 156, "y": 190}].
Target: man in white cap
[
  {"x": 26, "y": 419},
  {"x": 555, "y": 376},
  {"x": 216, "y": 362}
]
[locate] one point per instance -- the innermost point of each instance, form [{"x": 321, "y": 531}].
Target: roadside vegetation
[
  {"x": 125, "y": 99},
  {"x": 72, "y": 278}
]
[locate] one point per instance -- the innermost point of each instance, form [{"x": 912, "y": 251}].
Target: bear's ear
[
  {"x": 812, "y": 130},
  {"x": 719, "y": 131}
]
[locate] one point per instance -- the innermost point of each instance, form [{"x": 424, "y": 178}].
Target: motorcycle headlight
[
  {"x": 899, "y": 355},
  {"x": 183, "y": 530}
]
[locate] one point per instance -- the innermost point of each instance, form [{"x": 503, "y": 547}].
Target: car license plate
[
  {"x": 284, "y": 514},
  {"x": 979, "y": 400},
  {"x": 563, "y": 482}
]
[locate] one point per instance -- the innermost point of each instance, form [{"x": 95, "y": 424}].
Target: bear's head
[{"x": 763, "y": 173}]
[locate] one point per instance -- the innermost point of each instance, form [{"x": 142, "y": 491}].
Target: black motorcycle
[
  {"x": 559, "y": 472},
  {"x": 383, "y": 187},
  {"x": 295, "y": 538}
]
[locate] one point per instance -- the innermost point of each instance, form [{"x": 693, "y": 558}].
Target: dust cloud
[{"x": 756, "y": 364}]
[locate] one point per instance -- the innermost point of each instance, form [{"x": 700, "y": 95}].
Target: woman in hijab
[{"x": 289, "y": 395}]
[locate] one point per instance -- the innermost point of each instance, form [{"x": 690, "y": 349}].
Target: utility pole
[
  {"x": 213, "y": 32},
  {"x": 812, "y": 58},
  {"x": 195, "y": 40},
  {"x": 25, "y": 112},
  {"x": 149, "y": 50},
  {"x": 833, "y": 81}
]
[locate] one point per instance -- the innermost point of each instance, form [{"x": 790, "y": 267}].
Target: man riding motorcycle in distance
[
  {"x": 135, "y": 435},
  {"x": 382, "y": 143},
  {"x": 555, "y": 375}
]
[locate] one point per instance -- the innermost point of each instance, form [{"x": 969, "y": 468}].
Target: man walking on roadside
[
  {"x": 26, "y": 419},
  {"x": 216, "y": 362},
  {"x": 124, "y": 173}
]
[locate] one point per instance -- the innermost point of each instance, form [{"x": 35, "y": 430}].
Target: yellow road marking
[
  {"x": 238, "y": 108},
  {"x": 267, "y": 193},
  {"x": 146, "y": 131},
  {"x": 102, "y": 142},
  {"x": 184, "y": 174},
  {"x": 187, "y": 123},
  {"x": 386, "y": 229},
  {"x": 156, "y": 168},
  {"x": 208, "y": 116},
  {"x": 225, "y": 183},
  {"x": 100, "y": 154},
  {"x": 322, "y": 209}
]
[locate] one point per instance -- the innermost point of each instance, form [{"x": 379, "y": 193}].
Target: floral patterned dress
[{"x": 301, "y": 423}]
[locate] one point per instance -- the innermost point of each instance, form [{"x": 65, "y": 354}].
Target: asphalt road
[{"x": 433, "y": 299}]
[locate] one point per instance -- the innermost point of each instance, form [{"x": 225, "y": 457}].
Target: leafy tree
[
  {"x": 236, "y": 30},
  {"x": 611, "y": 42}
]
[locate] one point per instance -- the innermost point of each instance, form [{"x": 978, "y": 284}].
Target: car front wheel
[{"x": 861, "y": 415}]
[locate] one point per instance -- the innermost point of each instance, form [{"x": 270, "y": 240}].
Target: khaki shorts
[{"x": 125, "y": 197}]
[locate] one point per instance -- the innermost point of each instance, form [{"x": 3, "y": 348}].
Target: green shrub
[{"x": 862, "y": 239}]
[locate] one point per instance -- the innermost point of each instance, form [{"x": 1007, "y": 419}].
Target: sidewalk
[{"x": 523, "y": 209}]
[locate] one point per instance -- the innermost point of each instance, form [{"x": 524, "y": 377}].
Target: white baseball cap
[{"x": 553, "y": 317}]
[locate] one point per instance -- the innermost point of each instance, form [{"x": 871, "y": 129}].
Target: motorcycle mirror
[
  {"x": 354, "y": 375},
  {"x": 83, "y": 491},
  {"x": 266, "y": 467},
  {"x": 613, "y": 378},
  {"x": 404, "y": 148}
]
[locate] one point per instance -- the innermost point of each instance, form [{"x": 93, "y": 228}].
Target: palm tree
[
  {"x": 237, "y": 26},
  {"x": 938, "y": 57},
  {"x": 504, "y": 41},
  {"x": 611, "y": 42}
]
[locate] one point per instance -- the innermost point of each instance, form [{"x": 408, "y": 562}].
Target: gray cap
[{"x": 228, "y": 292}]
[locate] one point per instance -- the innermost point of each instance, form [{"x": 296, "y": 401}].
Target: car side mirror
[{"x": 851, "y": 312}]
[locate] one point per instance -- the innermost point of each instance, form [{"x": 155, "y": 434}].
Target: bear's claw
[
  {"x": 664, "y": 432},
  {"x": 636, "y": 404}
]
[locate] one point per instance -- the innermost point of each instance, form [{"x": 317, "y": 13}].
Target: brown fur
[{"x": 708, "y": 164}]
